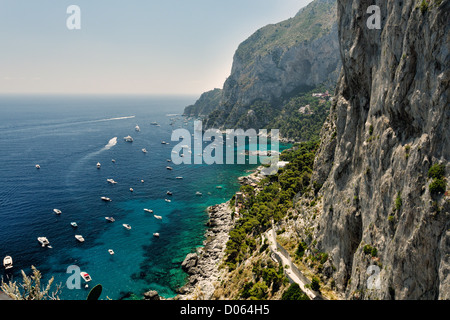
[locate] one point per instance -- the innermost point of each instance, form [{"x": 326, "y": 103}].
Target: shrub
[
  {"x": 398, "y": 202},
  {"x": 294, "y": 293},
  {"x": 315, "y": 285},
  {"x": 437, "y": 171},
  {"x": 437, "y": 186}
]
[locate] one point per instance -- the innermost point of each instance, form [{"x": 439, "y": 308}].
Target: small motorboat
[
  {"x": 111, "y": 181},
  {"x": 154, "y": 123},
  {"x": 169, "y": 168},
  {"x": 179, "y": 178},
  {"x": 98, "y": 165},
  {"x": 113, "y": 161},
  {"x": 106, "y": 199},
  {"x": 163, "y": 142},
  {"x": 131, "y": 189},
  {"x": 198, "y": 193},
  {"x": 158, "y": 217},
  {"x": 137, "y": 128},
  {"x": 144, "y": 150},
  {"x": 86, "y": 277},
  {"x": 111, "y": 251},
  {"x": 127, "y": 226},
  {"x": 168, "y": 160},
  {"x": 169, "y": 193},
  {"x": 148, "y": 210},
  {"x": 79, "y": 238},
  {"x": 110, "y": 219},
  {"x": 43, "y": 241},
  {"x": 8, "y": 262},
  {"x": 167, "y": 200},
  {"x": 57, "y": 211},
  {"x": 142, "y": 181},
  {"x": 38, "y": 166},
  {"x": 156, "y": 235},
  {"x": 128, "y": 139},
  {"x": 74, "y": 224}
]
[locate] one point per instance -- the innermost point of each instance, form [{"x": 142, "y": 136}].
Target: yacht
[
  {"x": 111, "y": 181},
  {"x": 8, "y": 262},
  {"x": 79, "y": 238},
  {"x": 74, "y": 224},
  {"x": 43, "y": 241},
  {"x": 110, "y": 219},
  {"x": 127, "y": 226},
  {"x": 85, "y": 276},
  {"x": 128, "y": 139},
  {"x": 148, "y": 210},
  {"x": 106, "y": 199},
  {"x": 111, "y": 252},
  {"x": 57, "y": 211},
  {"x": 158, "y": 217},
  {"x": 98, "y": 165},
  {"x": 137, "y": 128},
  {"x": 156, "y": 235},
  {"x": 38, "y": 166}
]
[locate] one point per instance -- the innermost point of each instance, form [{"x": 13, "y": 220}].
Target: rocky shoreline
[{"x": 203, "y": 265}]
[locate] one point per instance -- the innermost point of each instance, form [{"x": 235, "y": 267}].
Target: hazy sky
[{"x": 128, "y": 46}]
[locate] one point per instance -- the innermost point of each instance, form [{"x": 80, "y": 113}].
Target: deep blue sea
[{"x": 67, "y": 136}]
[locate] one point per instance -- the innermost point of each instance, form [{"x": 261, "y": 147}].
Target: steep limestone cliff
[
  {"x": 277, "y": 61},
  {"x": 388, "y": 126}
]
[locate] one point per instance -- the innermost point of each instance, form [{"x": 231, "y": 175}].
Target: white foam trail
[
  {"x": 112, "y": 119},
  {"x": 111, "y": 143}
]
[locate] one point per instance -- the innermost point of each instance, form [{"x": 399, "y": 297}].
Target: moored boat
[{"x": 8, "y": 262}]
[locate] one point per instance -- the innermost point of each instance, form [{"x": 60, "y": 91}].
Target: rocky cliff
[
  {"x": 278, "y": 61},
  {"x": 389, "y": 125},
  {"x": 207, "y": 102}
]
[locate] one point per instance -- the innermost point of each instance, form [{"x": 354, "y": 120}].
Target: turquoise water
[{"x": 67, "y": 136}]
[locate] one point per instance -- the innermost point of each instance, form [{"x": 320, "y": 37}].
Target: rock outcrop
[
  {"x": 203, "y": 265},
  {"x": 388, "y": 125},
  {"x": 276, "y": 62}
]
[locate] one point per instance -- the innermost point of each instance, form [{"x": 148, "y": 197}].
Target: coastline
[{"x": 204, "y": 266}]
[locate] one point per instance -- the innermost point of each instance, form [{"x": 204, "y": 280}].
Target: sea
[{"x": 67, "y": 136}]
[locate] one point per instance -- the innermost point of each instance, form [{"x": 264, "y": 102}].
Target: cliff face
[
  {"x": 389, "y": 124},
  {"x": 277, "y": 61},
  {"x": 207, "y": 102}
]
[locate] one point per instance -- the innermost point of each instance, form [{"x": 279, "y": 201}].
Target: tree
[{"x": 30, "y": 288}]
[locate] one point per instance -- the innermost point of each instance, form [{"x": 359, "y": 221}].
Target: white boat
[
  {"x": 113, "y": 161},
  {"x": 179, "y": 178},
  {"x": 169, "y": 168},
  {"x": 86, "y": 277},
  {"x": 43, "y": 241},
  {"x": 74, "y": 224},
  {"x": 169, "y": 193},
  {"x": 142, "y": 181},
  {"x": 144, "y": 150},
  {"x": 110, "y": 219},
  {"x": 198, "y": 193},
  {"x": 168, "y": 160},
  {"x": 128, "y": 139},
  {"x": 158, "y": 217},
  {"x": 106, "y": 199},
  {"x": 137, "y": 128},
  {"x": 57, "y": 211},
  {"x": 148, "y": 210},
  {"x": 111, "y": 181},
  {"x": 127, "y": 226},
  {"x": 38, "y": 166},
  {"x": 131, "y": 189},
  {"x": 79, "y": 238},
  {"x": 98, "y": 165},
  {"x": 167, "y": 200},
  {"x": 156, "y": 235},
  {"x": 111, "y": 252},
  {"x": 8, "y": 262}
]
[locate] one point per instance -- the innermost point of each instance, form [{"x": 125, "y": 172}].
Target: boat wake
[
  {"x": 112, "y": 119},
  {"x": 110, "y": 144}
]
